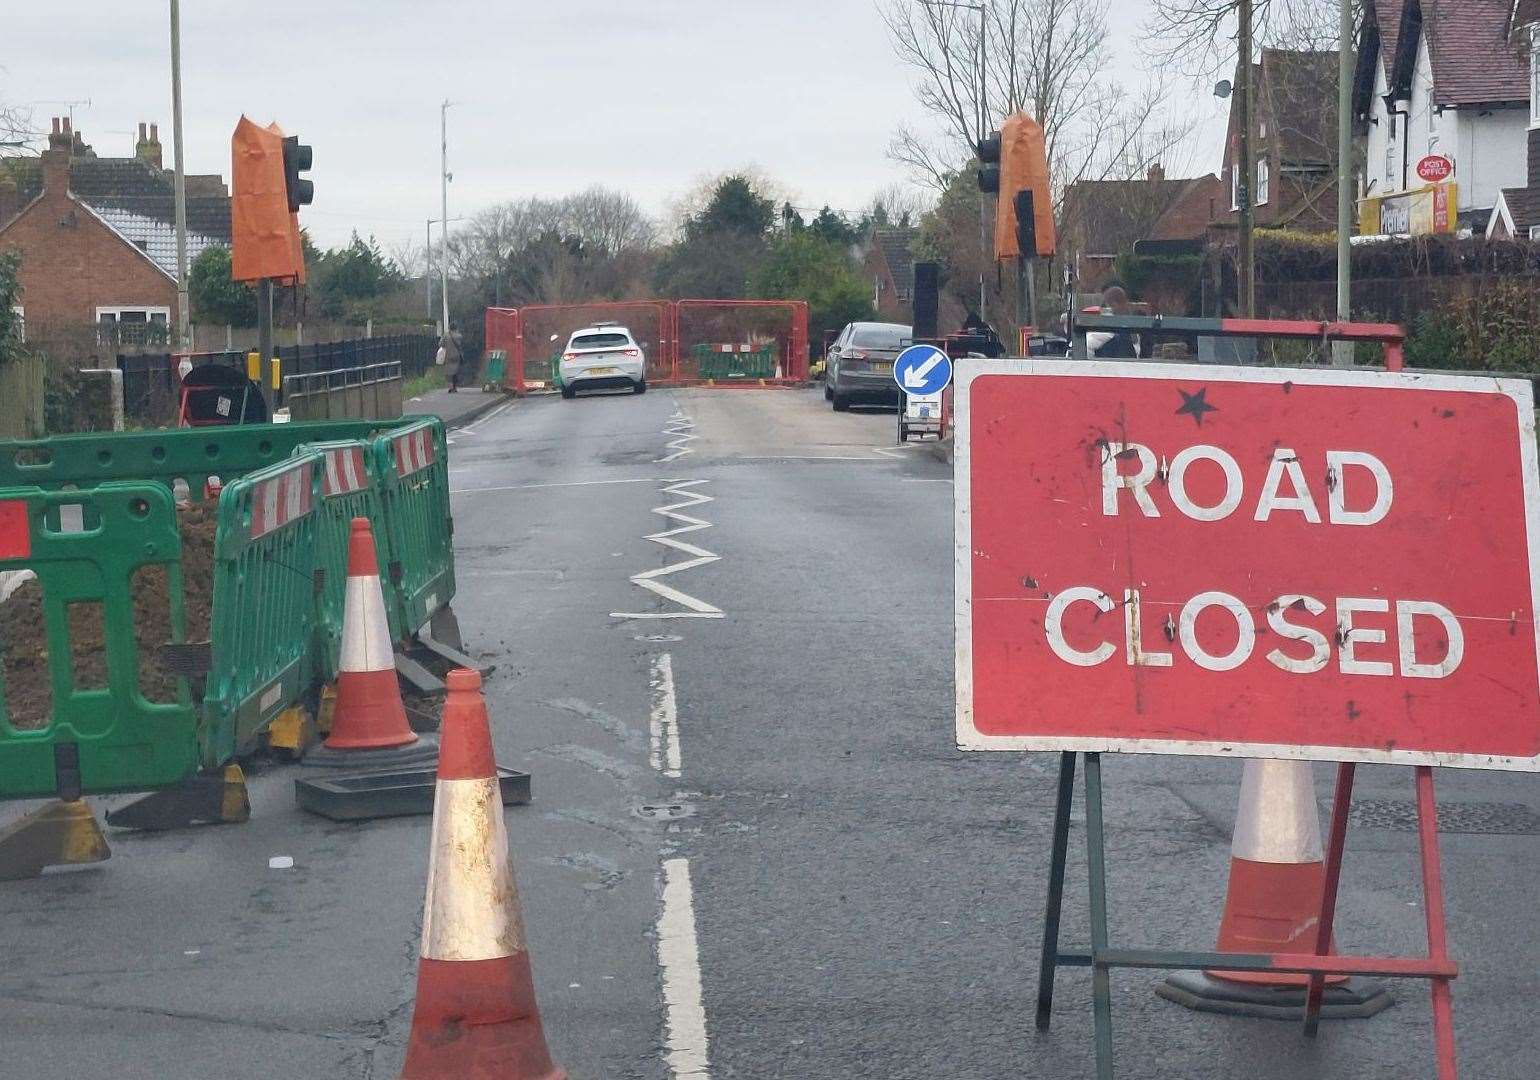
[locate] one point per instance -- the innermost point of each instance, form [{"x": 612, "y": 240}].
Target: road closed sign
[{"x": 1323, "y": 564}]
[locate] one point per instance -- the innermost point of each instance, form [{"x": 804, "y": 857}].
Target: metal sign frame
[{"x": 969, "y": 737}]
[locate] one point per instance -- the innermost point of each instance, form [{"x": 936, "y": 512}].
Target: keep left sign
[{"x": 1310, "y": 563}]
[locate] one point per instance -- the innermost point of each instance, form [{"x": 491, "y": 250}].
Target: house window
[
  {"x": 1262, "y": 181},
  {"x": 21, "y": 321},
  {"x": 1534, "y": 232},
  {"x": 1534, "y": 75},
  {"x": 1235, "y": 187},
  {"x": 134, "y": 324},
  {"x": 1390, "y": 165}
]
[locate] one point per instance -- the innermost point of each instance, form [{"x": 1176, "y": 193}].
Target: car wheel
[
  {"x": 841, "y": 403},
  {"x": 640, "y": 388},
  {"x": 828, "y": 392},
  {"x": 568, "y": 393}
]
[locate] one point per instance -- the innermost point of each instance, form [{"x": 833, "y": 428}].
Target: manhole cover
[
  {"x": 1453, "y": 817},
  {"x": 663, "y": 811}
]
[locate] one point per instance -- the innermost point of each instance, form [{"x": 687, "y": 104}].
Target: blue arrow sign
[{"x": 922, "y": 369}]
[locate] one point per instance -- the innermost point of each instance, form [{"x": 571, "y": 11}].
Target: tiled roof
[
  {"x": 895, "y": 249},
  {"x": 1473, "y": 64},
  {"x": 138, "y": 200},
  {"x": 1302, "y": 95},
  {"x": 1525, "y": 12},
  {"x": 1109, "y": 216},
  {"x": 1524, "y": 207}
]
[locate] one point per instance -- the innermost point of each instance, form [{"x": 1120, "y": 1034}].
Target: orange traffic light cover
[
  {"x": 1024, "y": 167},
  {"x": 264, "y": 235}
]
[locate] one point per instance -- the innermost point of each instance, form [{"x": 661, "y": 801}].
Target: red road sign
[
  {"x": 1435, "y": 168},
  {"x": 1312, "y": 563}
]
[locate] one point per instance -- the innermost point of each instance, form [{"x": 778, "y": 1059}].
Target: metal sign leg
[
  {"x": 1438, "y": 939},
  {"x": 1050, "y": 957},
  {"x": 1342, "y": 803},
  {"x": 1101, "y": 985}
]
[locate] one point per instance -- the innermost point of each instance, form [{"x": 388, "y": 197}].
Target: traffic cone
[
  {"x": 1273, "y": 905},
  {"x": 369, "y": 728},
  {"x": 475, "y": 1014}
]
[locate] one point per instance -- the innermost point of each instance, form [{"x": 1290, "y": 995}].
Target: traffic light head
[
  {"x": 297, "y": 158},
  {"x": 989, "y": 163},
  {"x": 264, "y": 229},
  {"x": 1024, "y": 170}
]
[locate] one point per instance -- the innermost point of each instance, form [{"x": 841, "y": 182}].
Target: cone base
[
  {"x": 422, "y": 750},
  {"x": 1356, "y": 999},
  {"x": 477, "y": 1020}
]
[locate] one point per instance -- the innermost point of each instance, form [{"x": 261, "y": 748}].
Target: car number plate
[
  {"x": 600, "y": 371},
  {"x": 884, "y": 367}
]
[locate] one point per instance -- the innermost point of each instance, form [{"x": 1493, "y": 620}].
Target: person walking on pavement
[{"x": 450, "y": 358}]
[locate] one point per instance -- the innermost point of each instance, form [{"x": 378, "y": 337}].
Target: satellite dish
[{"x": 1223, "y": 88}]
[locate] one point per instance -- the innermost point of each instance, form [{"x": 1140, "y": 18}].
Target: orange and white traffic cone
[
  {"x": 1273, "y": 905},
  {"x": 475, "y": 1015},
  {"x": 369, "y": 728}
]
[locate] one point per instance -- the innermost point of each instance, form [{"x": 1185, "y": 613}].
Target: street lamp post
[
  {"x": 427, "y": 276},
  {"x": 443, "y": 262},
  {"x": 980, "y": 120},
  {"x": 183, "y": 315},
  {"x": 1342, "y": 351}
]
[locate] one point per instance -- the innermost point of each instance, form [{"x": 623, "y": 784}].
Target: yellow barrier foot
[
  {"x": 212, "y": 798},
  {"x": 292, "y": 733},
  {"x": 59, "y": 834},
  {"x": 324, "y": 710}
]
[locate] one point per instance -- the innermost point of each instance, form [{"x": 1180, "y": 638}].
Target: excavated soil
[{"x": 24, "y": 655}]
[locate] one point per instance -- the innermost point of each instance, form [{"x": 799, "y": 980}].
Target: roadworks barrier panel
[{"x": 148, "y": 635}]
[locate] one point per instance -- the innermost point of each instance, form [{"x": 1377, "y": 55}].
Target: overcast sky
[{"x": 551, "y": 96}]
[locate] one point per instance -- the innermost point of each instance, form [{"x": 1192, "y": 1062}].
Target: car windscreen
[
  {"x": 600, "y": 341},
  {"x": 882, "y": 337}
]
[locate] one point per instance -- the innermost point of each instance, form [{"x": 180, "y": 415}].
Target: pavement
[
  {"x": 457, "y": 409},
  {"x": 754, "y": 851}
]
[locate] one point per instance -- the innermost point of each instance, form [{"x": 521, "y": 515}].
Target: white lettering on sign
[
  {"x": 1286, "y": 464},
  {"x": 1284, "y": 488},
  {"x": 1336, "y": 468},
  {"x": 1285, "y": 617},
  {"x": 1234, "y": 486},
  {"x": 1054, "y": 625},
  {"x": 1320, "y": 648}
]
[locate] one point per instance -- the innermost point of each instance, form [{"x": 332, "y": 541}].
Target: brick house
[
  {"x": 97, "y": 235},
  {"x": 1102, "y": 219},
  {"x": 1443, "y": 77},
  {"x": 1517, "y": 213},
  {"x": 889, "y": 266},
  {"x": 1294, "y": 141}
]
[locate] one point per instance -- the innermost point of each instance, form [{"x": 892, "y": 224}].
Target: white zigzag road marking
[
  {"x": 680, "y": 427},
  {"x": 694, "y": 608}
]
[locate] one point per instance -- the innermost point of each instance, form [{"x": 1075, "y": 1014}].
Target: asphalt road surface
[{"x": 753, "y": 850}]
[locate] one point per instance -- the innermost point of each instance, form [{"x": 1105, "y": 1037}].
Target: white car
[{"x": 602, "y": 357}]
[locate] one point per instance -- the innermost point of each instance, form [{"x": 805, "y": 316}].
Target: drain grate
[{"x": 1453, "y": 817}]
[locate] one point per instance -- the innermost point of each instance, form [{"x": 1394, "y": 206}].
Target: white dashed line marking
[
  {"x": 667, "y": 757},
  {"x": 679, "y": 957}
]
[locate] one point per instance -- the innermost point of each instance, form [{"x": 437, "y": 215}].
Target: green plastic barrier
[
  {"x": 497, "y": 368},
  {"x": 715, "y": 364},
  {"x": 264, "y": 602},
  {"x": 349, "y": 489},
  {"x": 190, "y": 454},
  {"x": 412, "y": 468},
  {"x": 109, "y": 735}
]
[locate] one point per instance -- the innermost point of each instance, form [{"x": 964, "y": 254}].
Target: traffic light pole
[
  {"x": 265, "y": 338},
  {"x": 1246, "y": 252}
]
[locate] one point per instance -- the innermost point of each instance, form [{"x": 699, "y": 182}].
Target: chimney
[
  {"x": 147, "y": 149},
  {"x": 1157, "y": 173},
  {"x": 56, "y": 159}
]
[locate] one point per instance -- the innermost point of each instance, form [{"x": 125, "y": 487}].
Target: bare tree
[
  {"x": 900, "y": 204},
  {"x": 1051, "y": 58},
  {"x": 609, "y": 221},
  {"x": 16, "y": 131},
  {"x": 1200, "y": 34}
]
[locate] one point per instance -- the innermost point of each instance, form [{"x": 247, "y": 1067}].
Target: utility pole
[
  {"x": 444, "y": 192},
  {"x": 1247, "y": 167},
  {"x": 1342, "y": 351},
  {"x": 183, "y": 314},
  {"x": 427, "y": 274},
  {"x": 980, "y": 119}
]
